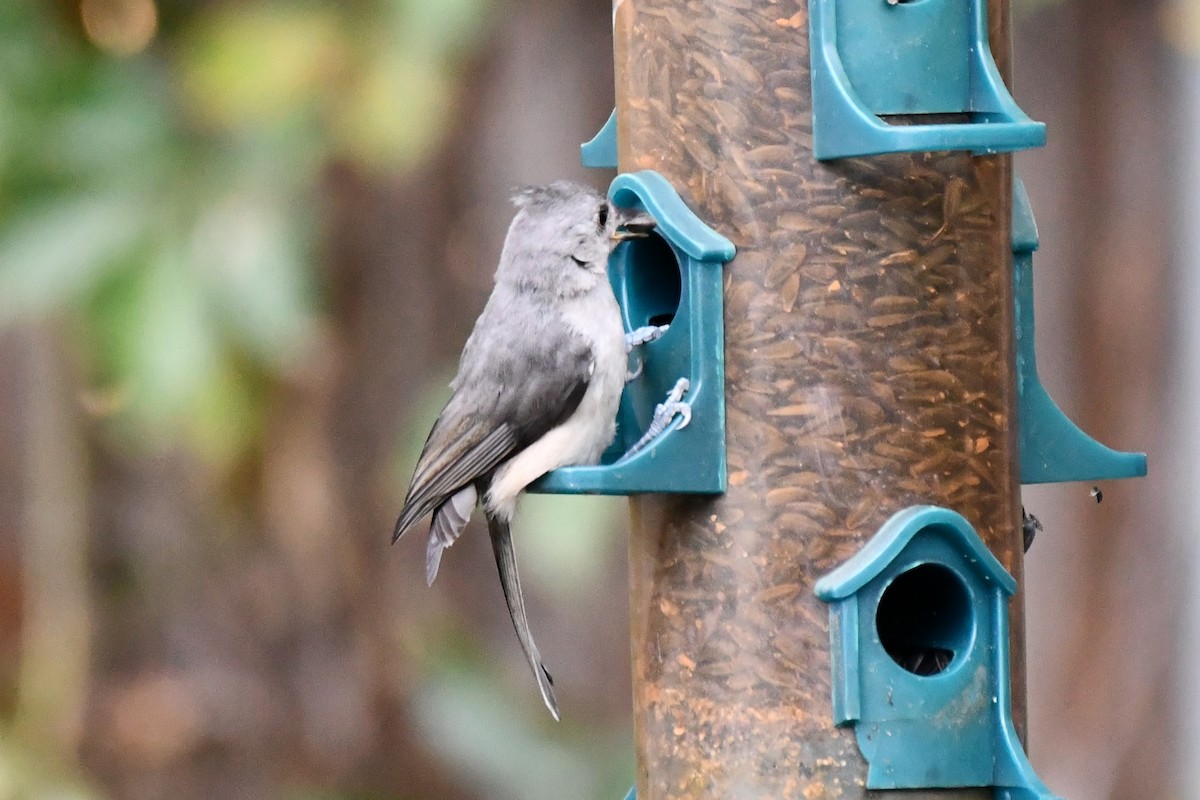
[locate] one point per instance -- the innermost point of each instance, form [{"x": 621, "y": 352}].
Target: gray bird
[{"x": 538, "y": 382}]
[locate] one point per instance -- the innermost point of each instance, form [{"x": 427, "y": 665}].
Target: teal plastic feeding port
[
  {"x": 874, "y": 58},
  {"x": 918, "y": 626},
  {"x": 601, "y": 151},
  {"x": 673, "y": 277},
  {"x": 1053, "y": 448}
]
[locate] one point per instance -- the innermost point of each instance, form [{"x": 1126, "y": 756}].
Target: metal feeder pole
[{"x": 869, "y": 359}]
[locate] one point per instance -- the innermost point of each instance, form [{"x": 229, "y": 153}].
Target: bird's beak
[{"x": 637, "y": 226}]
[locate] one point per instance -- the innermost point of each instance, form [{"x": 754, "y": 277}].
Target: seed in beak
[{"x": 636, "y": 227}]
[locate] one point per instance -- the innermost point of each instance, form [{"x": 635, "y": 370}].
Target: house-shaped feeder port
[
  {"x": 892, "y": 76},
  {"x": 672, "y": 277},
  {"x": 919, "y": 637}
]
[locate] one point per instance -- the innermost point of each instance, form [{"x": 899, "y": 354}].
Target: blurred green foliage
[
  {"x": 26, "y": 777},
  {"x": 164, "y": 202},
  {"x": 160, "y": 200},
  {"x": 462, "y": 711}
]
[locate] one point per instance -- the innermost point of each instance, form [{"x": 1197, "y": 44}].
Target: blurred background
[{"x": 241, "y": 244}]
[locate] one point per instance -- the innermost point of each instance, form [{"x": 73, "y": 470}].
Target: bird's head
[{"x": 562, "y": 236}]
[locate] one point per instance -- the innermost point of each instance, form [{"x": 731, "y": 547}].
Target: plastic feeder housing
[
  {"x": 672, "y": 277},
  {"x": 918, "y": 626},
  {"x": 1053, "y": 448},
  {"x": 876, "y": 58}
]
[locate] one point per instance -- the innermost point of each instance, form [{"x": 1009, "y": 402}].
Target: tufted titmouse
[{"x": 538, "y": 382}]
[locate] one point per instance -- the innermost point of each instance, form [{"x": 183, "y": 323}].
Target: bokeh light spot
[{"x": 120, "y": 27}]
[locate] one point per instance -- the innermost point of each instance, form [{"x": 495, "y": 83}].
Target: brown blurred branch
[{"x": 55, "y": 641}]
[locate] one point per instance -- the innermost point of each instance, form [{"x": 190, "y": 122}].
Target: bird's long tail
[{"x": 506, "y": 562}]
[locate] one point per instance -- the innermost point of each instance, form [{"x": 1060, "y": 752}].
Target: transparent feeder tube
[{"x": 869, "y": 367}]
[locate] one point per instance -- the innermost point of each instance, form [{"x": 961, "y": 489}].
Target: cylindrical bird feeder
[{"x": 869, "y": 356}]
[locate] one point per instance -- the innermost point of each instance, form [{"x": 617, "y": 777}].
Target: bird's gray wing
[
  {"x": 453, "y": 457},
  {"x": 510, "y": 582},
  {"x": 527, "y": 382}
]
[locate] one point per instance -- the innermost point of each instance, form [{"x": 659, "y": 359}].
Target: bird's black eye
[{"x": 602, "y": 217}]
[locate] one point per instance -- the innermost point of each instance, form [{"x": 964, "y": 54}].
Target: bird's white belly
[{"x": 582, "y": 438}]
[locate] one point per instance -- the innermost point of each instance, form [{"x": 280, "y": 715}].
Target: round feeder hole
[
  {"x": 651, "y": 285},
  {"x": 924, "y": 620}
]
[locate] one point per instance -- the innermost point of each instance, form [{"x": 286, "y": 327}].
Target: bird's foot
[
  {"x": 630, "y": 377},
  {"x": 664, "y": 413},
  {"x": 644, "y": 335}
]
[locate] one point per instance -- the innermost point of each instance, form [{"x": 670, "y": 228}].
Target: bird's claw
[
  {"x": 636, "y": 338},
  {"x": 668, "y": 411},
  {"x": 644, "y": 335},
  {"x": 664, "y": 413}
]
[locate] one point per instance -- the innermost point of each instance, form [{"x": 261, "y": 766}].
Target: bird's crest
[{"x": 524, "y": 196}]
